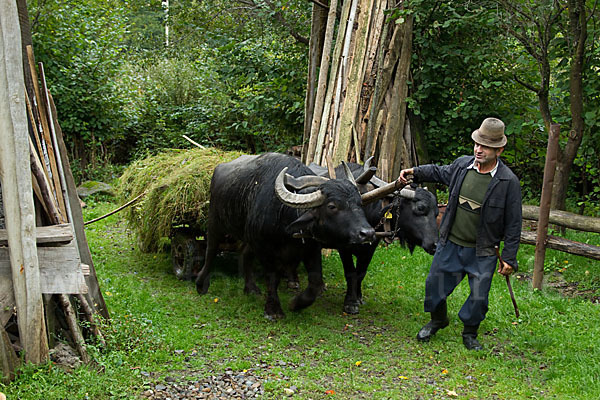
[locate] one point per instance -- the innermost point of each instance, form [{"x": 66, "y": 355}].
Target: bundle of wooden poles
[
  {"x": 358, "y": 84},
  {"x": 50, "y": 188}
]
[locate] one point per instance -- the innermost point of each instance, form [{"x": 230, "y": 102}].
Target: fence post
[
  {"x": 17, "y": 189},
  {"x": 542, "y": 229}
]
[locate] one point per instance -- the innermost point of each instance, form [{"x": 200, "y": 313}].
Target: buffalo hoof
[
  {"x": 351, "y": 308},
  {"x": 273, "y": 311},
  {"x": 202, "y": 286},
  {"x": 274, "y": 317},
  {"x": 293, "y": 285}
]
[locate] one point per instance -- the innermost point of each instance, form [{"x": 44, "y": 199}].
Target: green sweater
[{"x": 472, "y": 192}]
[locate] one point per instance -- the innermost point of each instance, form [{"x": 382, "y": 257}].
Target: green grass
[{"x": 161, "y": 327}]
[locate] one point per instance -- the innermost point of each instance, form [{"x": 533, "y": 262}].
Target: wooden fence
[{"x": 567, "y": 220}]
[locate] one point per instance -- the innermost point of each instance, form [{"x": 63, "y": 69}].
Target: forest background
[{"x": 130, "y": 77}]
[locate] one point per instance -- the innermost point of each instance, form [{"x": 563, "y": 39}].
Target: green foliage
[
  {"x": 246, "y": 96},
  {"x": 81, "y": 46},
  {"x": 464, "y": 68}
]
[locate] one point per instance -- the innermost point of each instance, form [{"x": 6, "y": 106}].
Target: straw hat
[{"x": 490, "y": 133}]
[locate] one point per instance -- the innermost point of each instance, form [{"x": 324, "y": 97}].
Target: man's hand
[
  {"x": 504, "y": 268},
  {"x": 406, "y": 176}
]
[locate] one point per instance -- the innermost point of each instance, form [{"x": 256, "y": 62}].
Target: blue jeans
[{"x": 451, "y": 263}]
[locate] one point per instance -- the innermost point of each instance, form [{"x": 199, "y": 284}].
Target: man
[{"x": 484, "y": 208}]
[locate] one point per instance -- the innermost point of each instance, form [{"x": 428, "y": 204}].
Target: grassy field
[{"x": 160, "y": 327}]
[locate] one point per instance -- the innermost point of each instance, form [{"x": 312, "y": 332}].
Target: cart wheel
[{"x": 185, "y": 255}]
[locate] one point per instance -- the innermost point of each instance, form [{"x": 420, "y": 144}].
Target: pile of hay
[{"x": 177, "y": 184}]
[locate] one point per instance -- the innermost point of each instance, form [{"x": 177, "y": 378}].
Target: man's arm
[{"x": 513, "y": 223}]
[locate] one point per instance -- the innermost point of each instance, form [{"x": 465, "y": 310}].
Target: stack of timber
[
  {"x": 48, "y": 284},
  {"x": 357, "y": 86}
]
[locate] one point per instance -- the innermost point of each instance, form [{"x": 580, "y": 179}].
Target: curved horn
[
  {"x": 296, "y": 200},
  {"x": 408, "y": 193},
  {"x": 305, "y": 181},
  {"x": 378, "y": 182},
  {"x": 367, "y": 165},
  {"x": 348, "y": 173},
  {"x": 366, "y": 176}
]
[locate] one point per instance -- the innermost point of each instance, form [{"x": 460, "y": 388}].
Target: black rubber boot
[
  {"x": 469, "y": 336},
  {"x": 439, "y": 320}
]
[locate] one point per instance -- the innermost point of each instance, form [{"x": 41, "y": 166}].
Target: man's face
[{"x": 485, "y": 155}]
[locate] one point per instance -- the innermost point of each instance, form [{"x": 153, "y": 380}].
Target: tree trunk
[{"x": 578, "y": 33}]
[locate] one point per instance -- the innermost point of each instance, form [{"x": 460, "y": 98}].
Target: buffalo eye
[
  {"x": 332, "y": 207},
  {"x": 422, "y": 208}
]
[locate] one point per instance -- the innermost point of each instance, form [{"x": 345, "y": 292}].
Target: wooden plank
[
  {"x": 564, "y": 218},
  {"x": 17, "y": 189},
  {"x": 8, "y": 358},
  {"x": 94, "y": 297},
  {"x": 62, "y": 233},
  {"x": 60, "y": 269},
  {"x": 564, "y": 245}
]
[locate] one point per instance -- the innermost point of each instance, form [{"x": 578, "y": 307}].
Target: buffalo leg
[
  {"x": 212, "y": 248},
  {"x": 314, "y": 270},
  {"x": 362, "y": 264},
  {"x": 246, "y": 261},
  {"x": 291, "y": 274},
  {"x": 273, "y": 308},
  {"x": 351, "y": 301}
]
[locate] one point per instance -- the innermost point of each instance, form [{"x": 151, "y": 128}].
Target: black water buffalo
[
  {"x": 250, "y": 202},
  {"x": 411, "y": 215}
]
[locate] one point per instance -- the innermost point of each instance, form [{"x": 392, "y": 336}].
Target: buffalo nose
[
  {"x": 367, "y": 234},
  {"x": 431, "y": 248}
]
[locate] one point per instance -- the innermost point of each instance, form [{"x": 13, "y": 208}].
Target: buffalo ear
[{"x": 303, "y": 222}]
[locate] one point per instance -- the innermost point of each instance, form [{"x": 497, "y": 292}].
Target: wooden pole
[
  {"x": 337, "y": 80},
  {"x": 74, "y": 327},
  {"x": 564, "y": 219},
  {"x": 564, "y": 245},
  {"x": 317, "y": 35},
  {"x": 8, "y": 358},
  {"x": 549, "y": 170},
  {"x": 17, "y": 189},
  {"x": 94, "y": 296},
  {"x": 322, "y": 83},
  {"x": 355, "y": 80}
]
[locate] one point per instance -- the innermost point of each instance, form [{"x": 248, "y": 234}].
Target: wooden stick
[
  {"x": 130, "y": 202},
  {"x": 322, "y": 83},
  {"x": 43, "y": 183},
  {"x": 45, "y": 130},
  {"x": 34, "y": 127},
  {"x": 57, "y": 173},
  {"x": 192, "y": 142},
  {"x": 75, "y": 331},
  {"x": 89, "y": 315}
]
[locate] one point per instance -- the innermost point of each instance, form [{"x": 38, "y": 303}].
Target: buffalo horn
[
  {"x": 381, "y": 192},
  {"x": 296, "y": 200},
  {"x": 378, "y": 182},
  {"x": 367, "y": 165},
  {"x": 366, "y": 175},
  {"x": 348, "y": 173},
  {"x": 305, "y": 181},
  {"x": 408, "y": 193}
]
